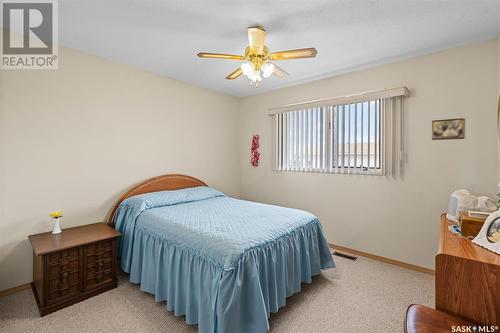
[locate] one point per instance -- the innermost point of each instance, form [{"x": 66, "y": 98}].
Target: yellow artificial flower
[{"x": 56, "y": 214}]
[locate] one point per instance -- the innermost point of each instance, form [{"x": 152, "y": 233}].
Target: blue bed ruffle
[{"x": 234, "y": 285}]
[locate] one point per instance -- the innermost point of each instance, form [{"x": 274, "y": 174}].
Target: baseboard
[
  {"x": 14, "y": 289},
  {"x": 383, "y": 259}
]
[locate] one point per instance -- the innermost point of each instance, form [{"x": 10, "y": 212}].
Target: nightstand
[{"x": 74, "y": 265}]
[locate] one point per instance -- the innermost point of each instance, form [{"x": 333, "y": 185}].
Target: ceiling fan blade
[
  {"x": 279, "y": 72},
  {"x": 234, "y": 74},
  {"x": 294, "y": 54},
  {"x": 220, "y": 56},
  {"x": 256, "y": 39}
]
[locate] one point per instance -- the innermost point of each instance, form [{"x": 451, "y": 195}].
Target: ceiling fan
[{"x": 257, "y": 58}]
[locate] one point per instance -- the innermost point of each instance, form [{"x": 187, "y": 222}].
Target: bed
[{"x": 224, "y": 263}]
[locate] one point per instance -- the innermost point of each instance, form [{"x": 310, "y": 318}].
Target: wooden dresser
[
  {"x": 467, "y": 279},
  {"x": 74, "y": 265}
]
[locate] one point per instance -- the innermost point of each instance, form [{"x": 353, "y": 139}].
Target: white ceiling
[{"x": 164, "y": 36}]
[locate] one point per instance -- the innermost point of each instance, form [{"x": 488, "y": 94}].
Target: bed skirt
[{"x": 222, "y": 300}]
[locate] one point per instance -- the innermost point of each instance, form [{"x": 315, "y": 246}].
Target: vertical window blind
[{"x": 361, "y": 136}]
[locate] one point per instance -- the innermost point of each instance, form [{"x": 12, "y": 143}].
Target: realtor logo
[{"x": 29, "y": 34}]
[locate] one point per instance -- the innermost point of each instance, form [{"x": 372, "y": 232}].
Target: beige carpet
[{"x": 358, "y": 296}]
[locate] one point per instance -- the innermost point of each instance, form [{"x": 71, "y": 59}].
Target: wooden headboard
[{"x": 160, "y": 183}]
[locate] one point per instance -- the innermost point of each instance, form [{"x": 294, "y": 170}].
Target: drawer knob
[{"x": 65, "y": 274}]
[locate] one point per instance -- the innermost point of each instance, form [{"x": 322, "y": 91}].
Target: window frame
[{"x": 389, "y": 138}]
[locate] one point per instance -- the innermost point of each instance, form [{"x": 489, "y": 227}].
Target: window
[{"x": 358, "y": 136}]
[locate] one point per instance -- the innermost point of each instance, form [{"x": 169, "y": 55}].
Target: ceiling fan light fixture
[
  {"x": 255, "y": 77},
  {"x": 267, "y": 69},
  {"x": 247, "y": 68}
]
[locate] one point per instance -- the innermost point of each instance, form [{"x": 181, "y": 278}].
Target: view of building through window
[{"x": 330, "y": 138}]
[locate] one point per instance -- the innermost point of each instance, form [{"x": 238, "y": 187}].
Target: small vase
[{"x": 57, "y": 226}]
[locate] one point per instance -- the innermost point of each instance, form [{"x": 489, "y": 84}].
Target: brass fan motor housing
[{"x": 255, "y": 58}]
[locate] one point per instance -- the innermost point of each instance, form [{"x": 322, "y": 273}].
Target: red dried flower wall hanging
[{"x": 254, "y": 151}]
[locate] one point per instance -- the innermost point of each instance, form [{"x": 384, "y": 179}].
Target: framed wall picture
[{"x": 448, "y": 129}]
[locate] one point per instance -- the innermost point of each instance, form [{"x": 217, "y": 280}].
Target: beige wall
[
  {"x": 394, "y": 218},
  {"x": 498, "y": 64},
  {"x": 75, "y": 138}
]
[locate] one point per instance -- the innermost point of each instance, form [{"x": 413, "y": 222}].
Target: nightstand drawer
[
  {"x": 99, "y": 268},
  {"x": 63, "y": 274},
  {"x": 62, "y": 257}
]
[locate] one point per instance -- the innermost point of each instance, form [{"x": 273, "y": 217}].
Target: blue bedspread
[{"x": 224, "y": 263}]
